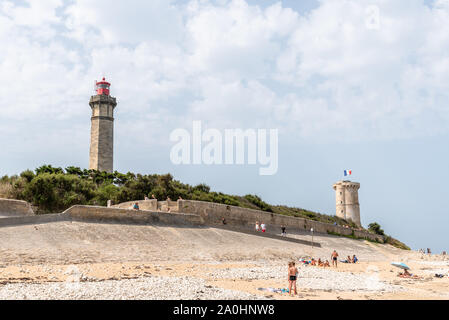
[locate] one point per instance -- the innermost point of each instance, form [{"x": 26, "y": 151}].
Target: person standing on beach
[
  {"x": 292, "y": 276},
  {"x": 257, "y": 226},
  {"x": 264, "y": 228},
  {"x": 334, "y": 257}
]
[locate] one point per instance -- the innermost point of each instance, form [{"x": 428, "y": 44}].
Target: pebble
[{"x": 145, "y": 288}]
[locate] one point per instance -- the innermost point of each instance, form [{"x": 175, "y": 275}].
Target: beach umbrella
[{"x": 400, "y": 265}]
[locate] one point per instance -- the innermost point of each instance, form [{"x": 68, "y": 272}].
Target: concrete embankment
[
  {"x": 106, "y": 215},
  {"x": 15, "y": 208},
  {"x": 116, "y": 215}
]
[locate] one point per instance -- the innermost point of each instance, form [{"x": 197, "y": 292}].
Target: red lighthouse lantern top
[{"x": 103, "y": 87}]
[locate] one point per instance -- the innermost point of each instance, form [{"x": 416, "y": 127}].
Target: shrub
[
  {"x": 375, "y": 228},
  {"x": 6, "y": 190},
  {"x": 257, "y": 201}
]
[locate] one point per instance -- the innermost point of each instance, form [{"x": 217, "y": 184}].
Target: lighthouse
[{"x": 102, "y": 128}]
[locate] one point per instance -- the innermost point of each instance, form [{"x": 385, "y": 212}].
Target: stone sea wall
[
  {"x": 117, "y": 215},
  {"x": 213, "y": 213}
]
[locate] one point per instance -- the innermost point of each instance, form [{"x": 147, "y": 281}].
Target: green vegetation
[
  {"x": 55, "y": 189},
  {"x": 375, "y": 228},
  {"x": 396, "y": 243},
  {"x": 352, "y": 236}
]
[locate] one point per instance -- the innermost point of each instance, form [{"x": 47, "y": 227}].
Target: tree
[
  {"x": 28, "y": 175},
  {"x": 202, "y": 188},
  {"x": 48, "y": 169},
  {"x": 375, "y": 228},
  {"x": 75, "y": 171}
]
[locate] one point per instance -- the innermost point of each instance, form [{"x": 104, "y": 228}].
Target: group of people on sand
[
  {"x": 428, "y": 251},
  {"x": 334, "y": 259},
  {"x": 319, "y": 263},
  {"x": 293, "y": 270},
  {"x": 351, "y": 260}
]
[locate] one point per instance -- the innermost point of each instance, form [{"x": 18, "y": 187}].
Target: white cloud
[
  {"x": 322, "y": 76},
  {"x": 236, "y": 39},
  {"x": 34, "y": 13},
  {"x": 127, "y": 22},
  {"x": 372, "y": 79}
]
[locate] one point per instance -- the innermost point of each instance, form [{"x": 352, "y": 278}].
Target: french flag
[{"x": 348, "y": 172}]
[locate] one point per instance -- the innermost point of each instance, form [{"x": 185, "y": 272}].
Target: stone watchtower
[
  {"x": 347, "y": 201},
  {"x": 102, "y": 128}
]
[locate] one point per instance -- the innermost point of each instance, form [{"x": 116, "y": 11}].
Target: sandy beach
[{"x": 104, "y": 261}]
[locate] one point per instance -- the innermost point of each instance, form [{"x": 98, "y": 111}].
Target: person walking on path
[
  {"x": 283, "y": 233},
  {"x": 257, "y": 226},
  {"x": 264, "y": 228},
  {"x": 334, "y": 257},
  {"x": 292, "y": 276}
]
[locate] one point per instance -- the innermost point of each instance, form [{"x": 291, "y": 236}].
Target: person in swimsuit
[
  {"x": 334, "y": 257},
  {"x": 292, "y": 276}
]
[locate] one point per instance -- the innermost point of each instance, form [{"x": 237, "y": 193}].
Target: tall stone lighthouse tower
[
  {"x": 102, "y": 128},
  {"x": 347, "y": 197}
]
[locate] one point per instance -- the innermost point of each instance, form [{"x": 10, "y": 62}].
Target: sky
[{"x": 361, "y": 85}]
